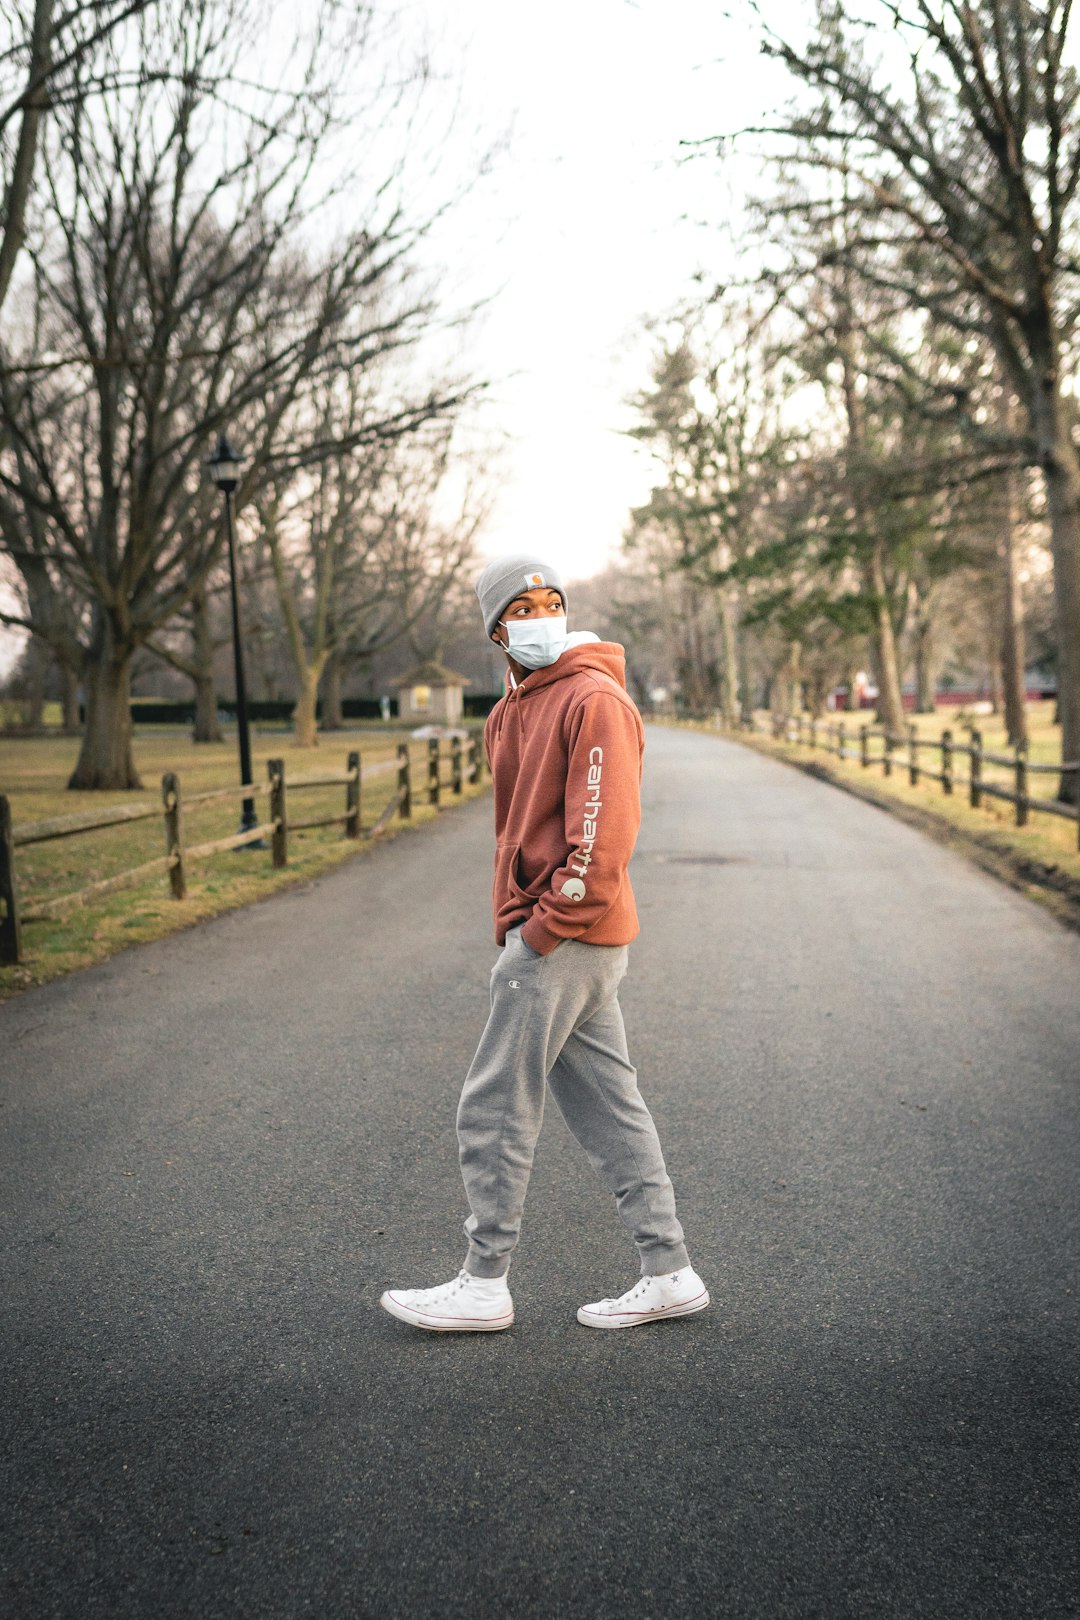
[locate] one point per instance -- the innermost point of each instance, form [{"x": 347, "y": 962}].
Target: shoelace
[
  {"x": 624, "y": 1299},
  {"x": 442, "y": 1290}
]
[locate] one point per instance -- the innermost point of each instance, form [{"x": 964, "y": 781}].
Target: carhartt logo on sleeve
[
  {"x": 574, "y": 889},
  {"x": 590, "y": 824},
  {"x": 533, "y": 580}
]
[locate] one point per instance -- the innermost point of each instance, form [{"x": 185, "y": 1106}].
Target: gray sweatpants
[{"x": 557, "y": 1019}]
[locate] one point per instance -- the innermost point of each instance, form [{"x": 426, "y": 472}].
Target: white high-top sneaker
[
  {"x": 467, "y": 1304},
  {"x": 672, "y": 1293}
]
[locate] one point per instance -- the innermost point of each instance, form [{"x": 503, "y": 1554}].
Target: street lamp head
[{"x": 225, "y": 466}]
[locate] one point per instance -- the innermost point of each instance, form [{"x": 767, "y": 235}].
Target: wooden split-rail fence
[
  {"x": 449, "y": 771},
  {"x": 904, "y": 751}
]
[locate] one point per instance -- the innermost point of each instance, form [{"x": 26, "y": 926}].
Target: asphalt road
[{"x": 864, "y": 1061}]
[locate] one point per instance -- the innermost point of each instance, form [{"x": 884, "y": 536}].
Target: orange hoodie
[{"x": 565, "y": 748}]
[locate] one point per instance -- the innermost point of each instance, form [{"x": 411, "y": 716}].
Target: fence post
[
  {"x": 475, "y": 750},
  {"x": 404, "y": 780},
  {"x": 864, "y": 745},
  {"x": 174, "y": 833},
  {"x": 913, "y": 754},
  {"x": 10, "y": 927},
  {"x": 886, "y": 757},
  {"x": 433, "y": 770},
  {"x": 279, "y": 838},
  {"x": 1021, "y": 786},
  {"x": 813, "y": 731},
  {"x": 455, "y": 764},
  {"x": 841, "y": 740},
  {"x": 946, "y": 762},
  {"x": 352, "y": 796},
  {"x": 975, "y": 789}
]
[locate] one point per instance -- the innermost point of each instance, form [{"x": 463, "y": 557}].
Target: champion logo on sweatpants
[{"x": 515, "y": 984}]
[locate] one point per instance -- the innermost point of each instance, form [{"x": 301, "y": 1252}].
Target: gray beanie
[{"x": 508, "y": 577}]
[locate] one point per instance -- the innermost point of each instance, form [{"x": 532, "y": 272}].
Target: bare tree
[
  {"x": 358, "y": 556},
  {"x": 40, "y": 57},
  {"x": 961, "y": 155},
  {"x": 173, "y": 297},
  {"x": 710, "y": 418}
]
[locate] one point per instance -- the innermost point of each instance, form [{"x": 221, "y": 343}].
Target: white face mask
[{"x": 536, "y": 643}]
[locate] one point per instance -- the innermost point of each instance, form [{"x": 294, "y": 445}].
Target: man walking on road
[{"x": 565, "y": 745}]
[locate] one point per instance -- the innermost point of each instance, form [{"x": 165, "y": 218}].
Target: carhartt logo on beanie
[{"x": 508, "y": 577}]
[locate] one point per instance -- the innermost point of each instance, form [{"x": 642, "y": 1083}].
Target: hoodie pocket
[{"x": 509, "y": 879}]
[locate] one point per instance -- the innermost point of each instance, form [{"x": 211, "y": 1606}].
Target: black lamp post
[{"x": 225, "y": 466}]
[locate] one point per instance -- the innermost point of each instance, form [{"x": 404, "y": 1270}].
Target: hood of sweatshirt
[
  {"x": 606, "y": 657},
  {"x": 589, "y": 657}
]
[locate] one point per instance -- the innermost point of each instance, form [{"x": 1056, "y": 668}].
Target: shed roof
[{"x": 431, "y": 673}]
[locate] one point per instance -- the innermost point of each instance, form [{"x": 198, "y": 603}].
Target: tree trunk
[
  {"x": 332, "y": 719},
  {"x": 742, "y": 645},
  {"x": 304, "y": 716},
  {"x": 105, "y": 757},
  {"x": 70, "y": 679},
  {"x": 779, "y": 693},
  {"x": 925, "y": 682},
  {"x": 925, "y": 651},
  {"x": 1012, "y": 624},
  {"x": 890, "y": 705},
  {"x": 729, "y": 672},
  {"x": 21, "y": 174},
  {"x": 258, "y": 646},
  {"x": 817, "y": 692},
  {"x": 206, "y": 704},
  {"x": 1063, "y": 501},
  {"x": 993, "y": 647},
  {"x": 784, "y": 698},
  {"x": 35, "y": 673},
  {"x": 693, "y": 661},
  {"x": 206, "y": 729},
  {"x": 1061, "y": 472}
]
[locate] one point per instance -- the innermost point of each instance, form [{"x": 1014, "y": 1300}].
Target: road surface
[{"x": 863, "y": 1057}]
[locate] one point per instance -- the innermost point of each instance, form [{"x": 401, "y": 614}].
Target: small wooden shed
[{"x": 431, "y": 693}]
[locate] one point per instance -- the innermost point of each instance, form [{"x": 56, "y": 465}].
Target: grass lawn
[
  {"x": 33, "y": 773},
  {"x": 1041, "y": 858}
]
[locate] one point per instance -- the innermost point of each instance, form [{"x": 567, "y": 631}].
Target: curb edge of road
[{"x": 1054, "y": 890}]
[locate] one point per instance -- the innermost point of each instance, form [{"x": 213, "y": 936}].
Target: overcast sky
[{"x": 594, "y": 224}]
